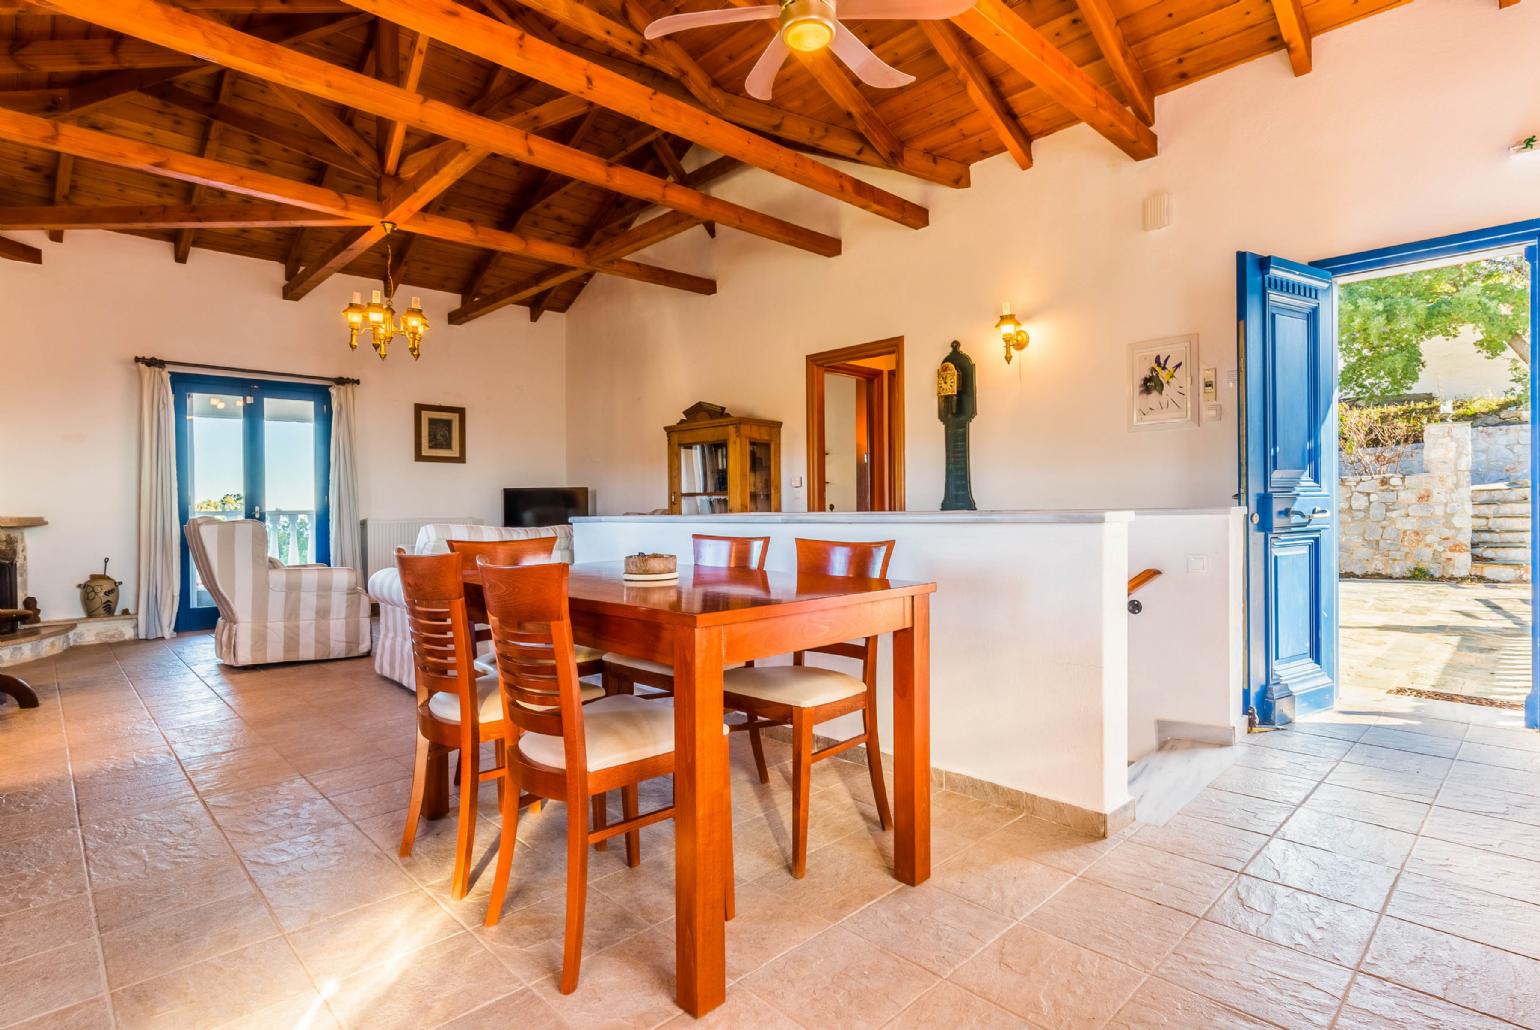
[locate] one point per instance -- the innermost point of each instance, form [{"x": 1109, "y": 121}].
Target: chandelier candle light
[{"x": 378, "y": 317}]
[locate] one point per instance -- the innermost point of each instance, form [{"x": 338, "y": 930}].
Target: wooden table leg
[
  {"x": 911, "y": 746},
  {"x": 700, "y": 807},
  {"x": 435, "y": 803},
  {"x": 25, "y": 696}
]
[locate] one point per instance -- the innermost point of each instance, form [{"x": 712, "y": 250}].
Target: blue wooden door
[
  {"x": 1289, "y": 485},
  {"x": 251, "y": 450}
]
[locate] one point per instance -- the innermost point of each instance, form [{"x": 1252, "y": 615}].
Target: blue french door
[
  {"x": 1289, "y": 486},
  {"x": 252, "y": 450}
]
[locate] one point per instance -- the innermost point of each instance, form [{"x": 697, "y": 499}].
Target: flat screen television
[{"x": 544, "y": 505}]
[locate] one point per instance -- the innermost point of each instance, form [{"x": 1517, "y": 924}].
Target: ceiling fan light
[{"x": 807, "y": 25}]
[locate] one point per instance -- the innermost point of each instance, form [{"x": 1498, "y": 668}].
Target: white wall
[
  {"x": 1400, "y": 133},
  {"x": 1455, "y": 369},
  {"x": 69, "y": 388}
]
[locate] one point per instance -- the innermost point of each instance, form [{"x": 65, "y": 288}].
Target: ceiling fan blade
[
  {"x": 917, "y": 10},
  {"x": 701, "y": 19},
  {"x": 762, "y": 76},
  {"x": 869, "y": 68}
]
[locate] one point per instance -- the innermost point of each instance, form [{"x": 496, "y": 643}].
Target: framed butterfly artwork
[{"x": 1160, "y": 384}]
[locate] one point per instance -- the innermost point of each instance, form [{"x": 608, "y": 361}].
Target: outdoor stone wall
[
  {"x": 1389, "y": 525},
  {"x": 1500, "y": 454}
]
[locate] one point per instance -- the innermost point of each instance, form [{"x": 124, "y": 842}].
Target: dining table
[{"x": 709, "y": 619}]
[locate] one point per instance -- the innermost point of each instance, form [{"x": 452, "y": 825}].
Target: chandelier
[{"x": 378, "y": 317}]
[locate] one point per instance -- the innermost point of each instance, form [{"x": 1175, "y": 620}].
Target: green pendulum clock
[{"x": 956, "y": 404}]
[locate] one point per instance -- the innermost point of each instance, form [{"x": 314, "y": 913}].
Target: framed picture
[
  {"x": 440, "y": 432},
  {"x": 1160, "y": 383}
]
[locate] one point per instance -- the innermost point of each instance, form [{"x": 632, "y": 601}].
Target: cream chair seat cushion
[
  {"x": 616, "y": 730},
  {"x": 645, "y": 665},
  {"x": 800, "y": 686},
  {"x": 445, "y": 705}
]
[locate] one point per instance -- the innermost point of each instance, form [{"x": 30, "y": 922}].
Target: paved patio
[{"x": 1465, "y": 639}]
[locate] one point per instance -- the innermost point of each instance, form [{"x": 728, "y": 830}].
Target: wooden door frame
[{"x": 893, "y": 468}]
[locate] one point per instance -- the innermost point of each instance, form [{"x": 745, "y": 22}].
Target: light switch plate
[{"x": 1197, "y": 565}]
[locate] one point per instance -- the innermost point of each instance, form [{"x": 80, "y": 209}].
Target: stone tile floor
[
  {"x": 186, "y": 845},
  {"x": 1454, "y": 638}
]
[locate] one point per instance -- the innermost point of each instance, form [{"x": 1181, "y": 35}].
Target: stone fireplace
[
  {"x": 13, "y": 564},
  {"x": 27, "y": 639}
]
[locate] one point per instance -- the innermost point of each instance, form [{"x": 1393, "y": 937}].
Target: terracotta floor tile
[
  {"x": 1468, "y": 912},
  {"x": 1464, "y": 972},
  {"x": 996, "y": 876},
  {"x": 1158, "y": 1005},
  {"x": 1474, "y": 797},
  {"x": 1379, "y": 809},
  {"x": 40, "y": 870},
  {"x": 1291, "y": 739},
  {"x": 840, "y": 878},
  {"x": 764, "y": 928},
  {"x": 1264, "y": 783},
  {"x": 1396, "y": 784},
  {"x": 241, "y": 769},
  {"x": 184, "y": 934},
  {"x": 1290, "y": 763},
  {"x": 968, "y": 817},
  {"x": 1397, "y": 761},
  {"x": 88, "y": 1015},
  {"x": 529, "y": 939},
  {"x": 1175, "y": 881},
  {"x": 49, "y": 980},
  {"x": 1317, "y": 926},
  {"x": 950, "y": 1006},
  {"x": 1502, "y": 836},
  {"x": 839, "y": 979},
  {"x": 1340, "y": 877},
  {"x": 1241, "y": 811},
  {"x": 1477, "y": 868},
  {"x": 524, "y": 1009},
  {"x": 1274, "y": 983},
  {"x": 216, "y": 990},
  {"x": 1048, "y": 981},
  {"x": 1494, "y": 778},
  {"x": 374, "y": 934},
  {"x": 1051, "y": 844},
  {"x": 323, "y": 874},
  {"x": 44, "y": 927},
  {"x": 257, "y": 816},
  {"x": 930, "y": 927},
  {"x": 39, "y": 807},
  {"x": 424, "y": 988},
  {"x": 1375, "y": 1004},
  {"x": 1406, "y": 739},
  {"x": 1134, "y": 931},
  {"x": 1214, "y": 843},
  {"x": 628, "y": 985},
  {"x": 161, "y": 885},
  {"x": 1349, "y": 837}
]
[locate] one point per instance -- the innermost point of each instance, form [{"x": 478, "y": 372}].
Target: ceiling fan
[{"x": 810, "y": 25}]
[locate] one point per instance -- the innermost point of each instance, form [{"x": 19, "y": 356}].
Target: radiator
[{"x": 381, "y": 537}]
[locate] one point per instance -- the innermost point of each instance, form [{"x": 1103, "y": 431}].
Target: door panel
[{"x": 1289, "y": 473}]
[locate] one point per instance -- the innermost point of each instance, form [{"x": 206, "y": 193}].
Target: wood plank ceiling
[{"x": 516, "y": 142}]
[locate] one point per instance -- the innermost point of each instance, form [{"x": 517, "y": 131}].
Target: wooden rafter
[
  {"x": 1103, "y": 24},
  {"x": 72, "y": 56},
  {"x": 11, "y": 250},
  {"x": 837, "y": 83},
  {"x": 981, "y": 90},
  {"x": 665, "y": 150},
  {"x": 227, "y": 114},
  {"x": 63, "y": 176},
  {"x": 173, "y": 27},
  {"x": 331, "y": 125},
  {"x": 1014, "y": 40},
  {"x": 1296, "y": 34},
  {"x": 392, "y": 133},
  {"x": 224, "y": 215},
  {"x": 515, "y": 49},
  {"x": 184, "y": 237},
  {"x": 29, "y": 130}
]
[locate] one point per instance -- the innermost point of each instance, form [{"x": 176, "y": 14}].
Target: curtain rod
[{"x": 163, "y": 363}]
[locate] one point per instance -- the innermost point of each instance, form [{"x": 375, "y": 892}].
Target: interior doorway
[{"x": 855, "y": 427}]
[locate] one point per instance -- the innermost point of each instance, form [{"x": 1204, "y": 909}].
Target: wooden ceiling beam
[
  {"x": 74, "y": 56},
  {"x": 182, "y": 246},
  {"x": 330, "y": 125},
  {"x": 981, "y": 90},
  {"x": 596, "y": 26},
  {"x": 833, "y": 80},
  {"x": 231, "y": 215},
  {"x": 1016, "y": 42},
  {"x": 1295, "y": 31},
  {"x": 392, "y": 133},
  {"x": 227, "y": 114},
  {"x": 29, "y": 130},
  {"x": 535, "y": 119},
  {"x": 506, "y": 45},
  {"x": 63, "y": 176},
  {"x": 11, "y": 250},
  {"x": 1103, "y": 24},
  {"x": 170, "y": 26}
]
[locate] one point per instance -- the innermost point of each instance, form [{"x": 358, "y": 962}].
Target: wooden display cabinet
[{"x": 719, "y": 463}]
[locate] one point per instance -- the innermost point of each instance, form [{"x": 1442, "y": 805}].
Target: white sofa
[{"x": 393, "y": 649}]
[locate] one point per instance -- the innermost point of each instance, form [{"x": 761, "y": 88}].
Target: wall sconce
[{"x": 1011, "y": 333}]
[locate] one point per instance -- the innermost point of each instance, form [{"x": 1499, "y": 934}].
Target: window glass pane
[
  {"x": 288, "y": 477},
  {"x": 217, "y": 463}
]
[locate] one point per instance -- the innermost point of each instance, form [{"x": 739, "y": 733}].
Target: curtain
[
  {"x": 159, "y": 545},
  {"x": 342, "y": 492}
]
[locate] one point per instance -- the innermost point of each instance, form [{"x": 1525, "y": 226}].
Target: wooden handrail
[{"x": 1141, "y": 579}]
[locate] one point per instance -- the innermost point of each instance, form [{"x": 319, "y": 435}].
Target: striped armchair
[{"x": 271, "y": 612}]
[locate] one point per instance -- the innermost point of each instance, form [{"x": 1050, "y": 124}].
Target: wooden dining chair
[
  {"x": 528, "y": 551},
  {"x": 802, "y": 695},
  {"x": 457, "y": 709},
  {"x": 622, "y": 673},
  {"x": 563, "y": 750}
]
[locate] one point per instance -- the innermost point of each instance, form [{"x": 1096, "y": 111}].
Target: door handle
[{"x": 1308, "y": 516}]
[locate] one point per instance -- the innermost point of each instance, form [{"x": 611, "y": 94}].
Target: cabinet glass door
[
  {"x": 760, "y": 475},
  {"x": 703, "y": 478}
]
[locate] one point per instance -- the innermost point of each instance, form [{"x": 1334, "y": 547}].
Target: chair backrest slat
[
  {"x": 730, "y": 552},
  {"x": 443, "y": 646},
  {"x": 525, "y": 551},
  {"x": 532, "y": 642},
  {"x": 867, "y": 559}
]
